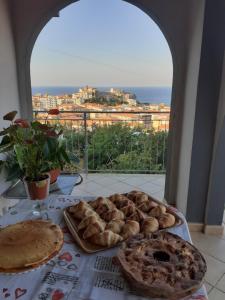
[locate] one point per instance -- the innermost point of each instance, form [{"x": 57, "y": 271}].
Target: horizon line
[{"x": 118, "y": 86}]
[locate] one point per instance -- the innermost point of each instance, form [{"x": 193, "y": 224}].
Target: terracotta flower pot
[
  {"x": 37, "y": 190},
  {"x": 54, "y": 174}
]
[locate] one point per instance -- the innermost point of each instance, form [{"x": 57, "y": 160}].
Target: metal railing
[{"x": 114, "y": 141}]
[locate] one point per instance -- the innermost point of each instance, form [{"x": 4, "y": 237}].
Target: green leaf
[
  {"x": 52, "y": 144},
  {"x": 10, "y": 116},
  {"x": 5, "y": 141},
  {"x": 3, "y": 132},
  {"x": 46, "y": 149},
  {"x": 64, "y": 155},
  {"x": 7, "y": 148},
  {"x": 19, "y": 156}
]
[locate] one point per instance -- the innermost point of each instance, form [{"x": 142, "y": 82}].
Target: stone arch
[{"x": 53, "y": 11}]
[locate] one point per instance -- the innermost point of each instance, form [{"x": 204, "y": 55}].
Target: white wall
[{"x": 9, "y": 98}]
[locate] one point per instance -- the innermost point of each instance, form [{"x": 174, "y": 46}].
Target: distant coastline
[{"x": 154, "y": 95}]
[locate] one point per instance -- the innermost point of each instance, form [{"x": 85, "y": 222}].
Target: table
[
  {"x": 72, "y": 275},
  {"x": 63, "y": 186}
]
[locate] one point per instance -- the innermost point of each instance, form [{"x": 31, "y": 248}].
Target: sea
[{"x": 152, "y": 95}]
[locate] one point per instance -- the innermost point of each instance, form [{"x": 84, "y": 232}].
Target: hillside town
[{"x": 104, "y": 108}]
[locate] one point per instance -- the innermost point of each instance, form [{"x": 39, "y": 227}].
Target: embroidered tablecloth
[{"x": 72, "y": 275}]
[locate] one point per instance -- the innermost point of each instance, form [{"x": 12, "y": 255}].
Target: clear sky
[{"x": 101, "y": 43}]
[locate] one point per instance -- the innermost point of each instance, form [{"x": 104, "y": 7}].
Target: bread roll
[
  {"x": 145, "y": 206},
  {"x": 166, "y": 220},
  {"x": 157, "y": 211},
  {"x": 130, "y": 228},
  {"x": 141, "y": 198},
  {"x": 115, "y": 226},
  {"x": 150, "y": 225},
  {"x": 128, "y": 210}
]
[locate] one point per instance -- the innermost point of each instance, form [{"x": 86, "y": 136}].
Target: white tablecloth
[{"x": 72, "y": 275}]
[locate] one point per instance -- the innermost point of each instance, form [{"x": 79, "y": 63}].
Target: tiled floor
[
  {"x": 213, "y": 249},
  {"x": 107, "y": 184}
]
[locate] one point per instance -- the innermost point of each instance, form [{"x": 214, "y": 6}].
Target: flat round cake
[
  {"x": 28, "y": 244},
  {"x": 162, "y": 265}
]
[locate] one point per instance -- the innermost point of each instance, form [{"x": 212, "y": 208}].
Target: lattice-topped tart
[
  {"x": 162, "y": 265},
  {"x": 29, "y": 244}
]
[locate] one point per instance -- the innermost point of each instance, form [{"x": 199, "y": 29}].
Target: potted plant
[
  {"x": 33, "y": 150},
  {"x": 27, "y": 142}
]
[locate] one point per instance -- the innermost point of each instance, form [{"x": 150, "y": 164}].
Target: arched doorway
[{"x": 156, "y": 163}]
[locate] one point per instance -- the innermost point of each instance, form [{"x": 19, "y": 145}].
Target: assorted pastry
[
  {"x": 161, "y": 265},
  {"x": 108, "y": 221}
]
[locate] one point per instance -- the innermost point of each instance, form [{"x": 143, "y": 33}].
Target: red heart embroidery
[
  {"x": 58, "y": 295},
  {"x": 20, "y": 292},
  {"x": 66, "y": 255}
]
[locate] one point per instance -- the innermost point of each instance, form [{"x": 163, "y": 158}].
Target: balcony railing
[{"x": 114, "y": 141}]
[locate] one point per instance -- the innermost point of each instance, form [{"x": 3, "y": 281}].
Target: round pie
[
  {"x": 162, "y": 265},
  {"x": 28, "y": 244}
]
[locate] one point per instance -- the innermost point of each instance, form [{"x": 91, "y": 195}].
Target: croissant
[
  {"x": 115, "y": 197},
  {"x": 93, "y": 229},
  {"x": 115, "y": 225},
  {"x": 123, "y": 202},
  {"x": 145, "y": 206},
  {"x": 104, "y": 206},
  {"x": 157, "y": 211},
  {"x": 128, "y": 210},
  {"x": 81, "y": 210},
  {"x": 166, "y": 220},
  {"x": 141, "y": 198},
  {"x": 106, "y": 238},
  {"x": 130, "y": 228},
  {"x": 88, "y": 220},
  {"x": 132, "y": 195},
  {"x": 97, "y": 202},
  {"x": 138, "y": 216},
  {"x": 150, "y": 225},
  {"x": 112, "y": 215}
]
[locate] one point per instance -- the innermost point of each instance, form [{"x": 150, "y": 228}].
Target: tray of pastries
[
  {"x": 105, "y": 222},
  {"x": 27, "y": 245},
  {"x": 161, "y": 265}
]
